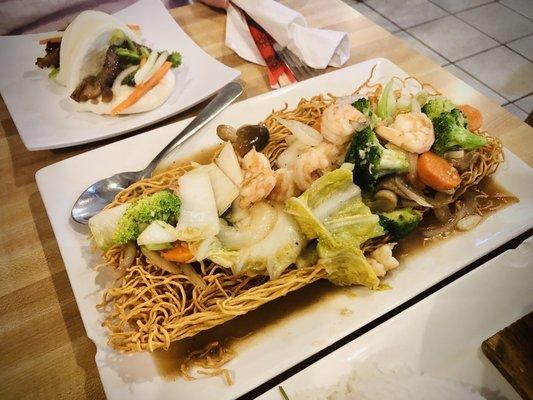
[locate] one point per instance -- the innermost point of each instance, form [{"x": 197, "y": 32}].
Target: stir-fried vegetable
[
  {"x": 436, "y": 172},
  {"x": 104, "y": 224},
  {"x": 224, "y": 189},
  {"x": 278, "y": 249},
  {"x": 180, "y": 252},
  {"x": 142, "y": 89},
  {"x": 436, "y": 106},
  {"x": 387, "y": 101},
  {"x": 372, "y": 160},
  {"x": 400, "y": 223},
  {"x": 228, "y": 162},
  {"x": 340, "y": 226},
  {"x": 363, "y": 105},
  {"x": 451, "y": 133},
  {"x": 199, "y": 217},
  {"x": 161, "y": 206},
  {"x": 157, "y": 236},
  {"x": 472, "y": 115},
  {"x": 175, "y": 59}
]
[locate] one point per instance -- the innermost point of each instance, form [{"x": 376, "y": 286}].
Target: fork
[{"x": 300, "y": 70}]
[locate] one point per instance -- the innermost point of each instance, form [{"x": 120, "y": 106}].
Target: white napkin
[{"x": 318, "y": 48}]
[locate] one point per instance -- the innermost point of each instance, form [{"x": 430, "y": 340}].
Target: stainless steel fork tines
[{"x": 300, "y": 70}]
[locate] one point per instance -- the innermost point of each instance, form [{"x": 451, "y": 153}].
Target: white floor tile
[
  {"x": 421, "y": 48},
  {"x": 504, "y": 71},
  {"x": 454, "y": 6},
  {"x": 524, "y": 46},
  {"x": 524, "y": 7},
  {"x": 526, "y": 104},
  {"x": 480, "y": 87},
  {"x": 373, "y": 16},
  {"x": 452, "y": 38},
  {"x": 499, "y": 22},
  {"x": 516, "y": 111},
  {"x": 407, "y": 13}
]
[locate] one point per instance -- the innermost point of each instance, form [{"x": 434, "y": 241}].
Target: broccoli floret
[
  {"x": 399, "y": 223},
  {"x": 175, "y": 59},
  {"x": 160, "y": 206},
  {"x": 372, "y": 160},
  {"x": 451, "y": 133},
  {"x": 435, "y": 107},
  {"x": 363, "y": 105}
]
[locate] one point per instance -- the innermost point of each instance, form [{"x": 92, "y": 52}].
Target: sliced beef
[
  {"x": 111, "y": 67},
  {"x": 51, "y": 59}
]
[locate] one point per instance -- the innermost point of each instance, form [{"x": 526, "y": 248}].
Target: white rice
[{"x": 373, "y": 383}]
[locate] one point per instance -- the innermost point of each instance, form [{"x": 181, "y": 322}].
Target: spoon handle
[{"x": 224, "y": 98}]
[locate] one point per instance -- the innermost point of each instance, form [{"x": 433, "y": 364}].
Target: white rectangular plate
[
  {"x": 43, "y": 112},
  {"x": 440, "y": 336},
  {"x": 297, "y": 338}
]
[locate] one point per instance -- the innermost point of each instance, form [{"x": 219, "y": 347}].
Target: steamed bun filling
[{"x": 98, "y": 58}]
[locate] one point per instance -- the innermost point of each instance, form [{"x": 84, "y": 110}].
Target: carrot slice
[
  {"x": 473, "y": 116},
  {"x": 55, "y": 39},
  {"x": 134, "y": 27},
  {"x": 142, "y": 89},
  {"x": 436, "y": 172},
  {"x": 179, "y": 253}
]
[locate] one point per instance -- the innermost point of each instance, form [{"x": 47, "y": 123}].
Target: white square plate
[
  {"x": 43, "y": 113},
  {"x": 440, "y": 336},
  {"x": 289, "y": 342}
]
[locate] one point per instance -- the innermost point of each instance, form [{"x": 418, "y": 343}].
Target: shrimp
[
  {"x": 339, "y": 121},
  {"x": 259, "y": 179},
  {"x": 412, "y": 132},
  {"x": 312, "y": 164},
  {"x": 285, "y": 187},
  {"x": 381, "y": 260}
]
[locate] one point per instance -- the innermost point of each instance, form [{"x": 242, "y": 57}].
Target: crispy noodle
[{"x": 147, "y": 308}]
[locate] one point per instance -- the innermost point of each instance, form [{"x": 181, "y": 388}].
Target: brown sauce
[
  {"x": 416, "y": 242},
  {"x": 245, "y": 329}
]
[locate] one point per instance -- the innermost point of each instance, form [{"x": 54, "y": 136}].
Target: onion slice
[
  {"x": 122, "y": 76},
  {"x": 158, "y": 64},
  {"x": 146, "y": 68},
  {"x": 305, "y": 133},
  {"x": 128, "y": 255}
]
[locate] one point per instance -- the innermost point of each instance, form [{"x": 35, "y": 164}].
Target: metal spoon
[{"x": 101, "y": 193}]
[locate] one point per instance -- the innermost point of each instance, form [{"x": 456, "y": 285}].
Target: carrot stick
[
  {"x": 179, "y": 253},
  {"x": 55, "y": 39},
  {"x": 436, "y": 172},
  {"x": 142, "y": 89}
]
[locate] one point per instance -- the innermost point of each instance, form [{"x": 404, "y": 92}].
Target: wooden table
[{"x": 43, "y": 347}]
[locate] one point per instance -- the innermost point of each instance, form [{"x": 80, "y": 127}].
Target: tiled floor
[{"x": 486, "y": 43}]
